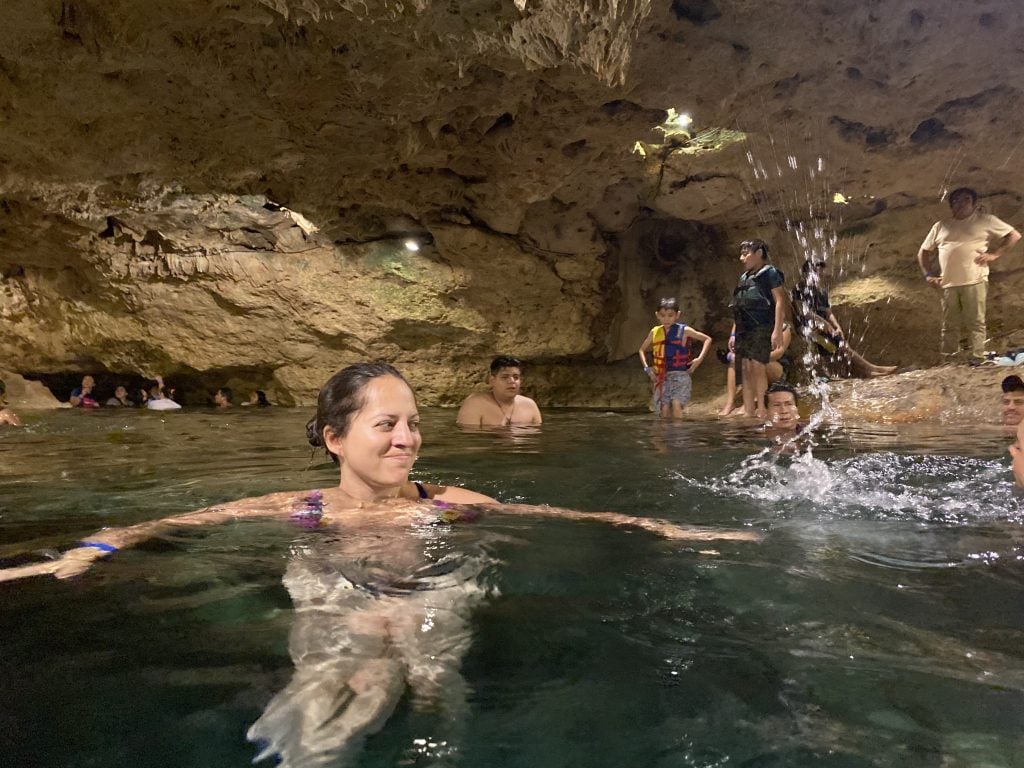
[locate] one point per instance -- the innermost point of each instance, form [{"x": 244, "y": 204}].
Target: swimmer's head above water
[
  {"x": 341, "y": 397},
  {"x": 1013, "y": 400},
  {"x": 780, "y": 401}
]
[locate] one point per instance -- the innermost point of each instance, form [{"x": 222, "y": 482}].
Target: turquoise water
[{"x": 878, "y": 623}]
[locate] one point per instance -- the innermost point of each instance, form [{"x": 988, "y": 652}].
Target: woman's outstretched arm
[
  {"x": 109, "y": 540},
  {"x": 655, "y": 525}
]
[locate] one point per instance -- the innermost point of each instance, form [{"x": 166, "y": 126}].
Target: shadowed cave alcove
[{"x": 192, "y": 388}]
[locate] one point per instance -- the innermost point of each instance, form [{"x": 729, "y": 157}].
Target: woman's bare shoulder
[
  {"x": 270, "y": 504},
  {"x": 457, "y": 495}
]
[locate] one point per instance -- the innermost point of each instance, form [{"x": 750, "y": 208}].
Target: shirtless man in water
[{"x": 502, "y": 406}]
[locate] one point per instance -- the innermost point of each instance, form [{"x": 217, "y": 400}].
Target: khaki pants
[{"x": 963, "y": 319}]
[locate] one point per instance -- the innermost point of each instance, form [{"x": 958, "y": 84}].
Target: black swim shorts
[{"x": 755, "y": 344}]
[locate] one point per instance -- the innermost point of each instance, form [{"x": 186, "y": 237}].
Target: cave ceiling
[{"x": 212, "y": 186}]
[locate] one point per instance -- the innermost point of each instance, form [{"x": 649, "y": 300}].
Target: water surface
[{"x": 878, "y": 623}]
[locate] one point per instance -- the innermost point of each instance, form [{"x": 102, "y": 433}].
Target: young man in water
[
  {"x": 502, "y": 406},
  {"x": 780, "y": 404},
  {"x": 82, "y": 397},
  {"x": 759, "y": 308},
  {"x": 966, "y": 244},
  {"x": 223, "y": 398},
  {"x": 1013, "y": 400}
]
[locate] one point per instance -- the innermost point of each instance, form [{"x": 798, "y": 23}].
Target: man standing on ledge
[
  {"x": 502, "y": 406},
  {"x": 759, "y": 307},
  {"x": 967, "y": 243}
]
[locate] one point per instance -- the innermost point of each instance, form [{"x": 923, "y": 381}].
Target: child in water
[{"x": 672, "y": 366}]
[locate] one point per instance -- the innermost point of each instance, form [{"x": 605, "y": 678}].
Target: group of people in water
[
  {"x": 386, "y": 611},
  {"x": 155, "y": 397}
]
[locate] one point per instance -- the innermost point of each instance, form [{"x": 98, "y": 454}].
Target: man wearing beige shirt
[{"x": 966, "y": 244}]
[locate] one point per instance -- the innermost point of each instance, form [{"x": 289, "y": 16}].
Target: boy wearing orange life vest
[{"x": 671, "y": 358}]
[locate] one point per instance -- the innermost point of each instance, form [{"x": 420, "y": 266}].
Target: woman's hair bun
[{"x": 313, "y": 434}]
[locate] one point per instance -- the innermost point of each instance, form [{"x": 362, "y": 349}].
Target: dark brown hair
[{"x": 341, "y": 397}]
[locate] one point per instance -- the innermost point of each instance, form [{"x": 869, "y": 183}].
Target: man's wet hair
[
  {"x": 756, "y": 245},
  {"x": 505, "y": 361},
  {"x": 960, "y": 192},
  {"x": 669, "y": 303},
  {"x": 1012, "y": 383},
  {"x": 778, "y": 386}
]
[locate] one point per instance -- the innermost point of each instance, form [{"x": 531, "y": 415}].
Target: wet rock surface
[{"x": 223, "y": 192}]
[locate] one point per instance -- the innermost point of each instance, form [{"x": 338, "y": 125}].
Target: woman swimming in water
[{"x": 383, "y": 592}]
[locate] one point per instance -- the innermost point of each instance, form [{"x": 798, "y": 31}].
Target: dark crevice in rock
[
  {"x": 416, "y": 334},
  {"x": 978, "y": 100},
  {"x": 698, "y": 178},
  {"x": 851, "y": 130},
  {"x": 932, "y": 131},
  {"x": 697, "y": 11},
  {"x": 574, "y": 148},
  {"x": 787, "y": 86},
  {"x": 341, "y": 342},
  {"x": 504, "y": 122},
  {"x": 465, "y": 178}
]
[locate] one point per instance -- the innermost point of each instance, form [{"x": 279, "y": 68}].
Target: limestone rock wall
[{"x": 221, "y": 191}]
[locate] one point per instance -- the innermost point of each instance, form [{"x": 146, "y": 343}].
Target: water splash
[{"x": 883, "y": 486}]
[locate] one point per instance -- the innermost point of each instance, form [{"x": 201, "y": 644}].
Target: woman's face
[{"x": 382, "y": 440}]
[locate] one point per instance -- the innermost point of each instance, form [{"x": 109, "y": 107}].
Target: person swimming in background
[
  {"x": 382, "y": 590},
  {"x": 258, "y": 398},
  {"x": 82, "y": 395},
  {"x": 223, "y": 398},
  {"x": 503, "y": 405},
  {"x": 120, "y": 399},
  {"x": 7, "y": 416},
  {"x": 1012, "y": 400},
  {"x": 780, "y": 403},
  {"x": 160, "y": 399}
]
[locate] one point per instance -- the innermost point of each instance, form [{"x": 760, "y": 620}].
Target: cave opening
[{"x": 191, "y": 388}]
